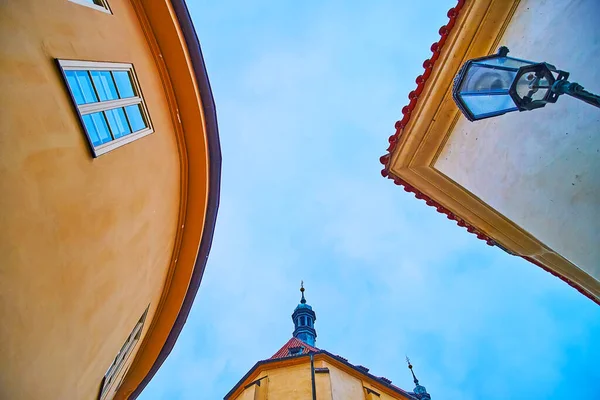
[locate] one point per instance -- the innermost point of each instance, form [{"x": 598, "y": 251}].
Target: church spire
[
  {"x": 419, "y": 390},
  {"x": 303, "y": 300},
  {"x": 304, "y": 321}
]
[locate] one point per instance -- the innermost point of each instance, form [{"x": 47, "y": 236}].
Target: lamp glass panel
[
  {"x": 483, "y": 105},
  {"x": 480, "y": 78},
  {"x": 505, "y": 62}
]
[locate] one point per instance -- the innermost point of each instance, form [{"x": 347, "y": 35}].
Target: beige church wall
[
  {"x": 292, "y": 382},
  {"x": 248, "y": 393},
  {"x": 541, "y": 169},
  {"x": 323, "y": 386},
  {"x": 345, "y": 386}
]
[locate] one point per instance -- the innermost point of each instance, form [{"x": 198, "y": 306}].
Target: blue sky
[{"x": 307, "y": 93}]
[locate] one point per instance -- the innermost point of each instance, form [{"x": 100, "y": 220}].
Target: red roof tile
[
  {"x": 407, "y": 111},
  {"x": 413, "y": 96},
  {"x": 293, "y": 343}
]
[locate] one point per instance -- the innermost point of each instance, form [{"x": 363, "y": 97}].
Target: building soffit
[
  {"x": 475, "y": 28},
  {"x": 167, "y": 25}
]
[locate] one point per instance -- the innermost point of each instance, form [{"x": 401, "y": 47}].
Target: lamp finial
[{"x": 503, "y": 51}]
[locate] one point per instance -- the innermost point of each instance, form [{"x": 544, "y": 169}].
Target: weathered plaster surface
[
  {"x": 541, "y": 169},
  {"x": 345, "y": 386}
]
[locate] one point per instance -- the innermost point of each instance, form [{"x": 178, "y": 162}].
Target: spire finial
[
  {"x": 303, "y": 301},
  {"x": 419, "y": 390},
  {"x": 411, "y": 370}
]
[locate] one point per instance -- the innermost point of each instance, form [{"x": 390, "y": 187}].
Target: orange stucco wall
[{"x": 85, "y": 243}]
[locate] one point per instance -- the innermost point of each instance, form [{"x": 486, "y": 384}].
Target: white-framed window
[
  {"x": 108, "y": 382},
  {"x": 109, "y": 102},
  {"x": 100, "y": 5}
]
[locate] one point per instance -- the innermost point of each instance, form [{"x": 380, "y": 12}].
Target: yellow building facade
[
  {"x": 525, "y": 182},
  {"x": 301, "y": 371},
  {"x": 109, "y": 174}
]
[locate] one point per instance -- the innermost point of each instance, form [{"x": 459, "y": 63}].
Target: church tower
[
  {"x": 301, "y": 371},
  {"x": 304, "y": 321}
]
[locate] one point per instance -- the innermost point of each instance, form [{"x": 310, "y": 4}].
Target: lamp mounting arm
[{"x": 575, "y": 90}]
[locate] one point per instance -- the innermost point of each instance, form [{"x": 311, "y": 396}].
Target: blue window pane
[
  {"x": 86, "y": 86},
  {"x": 91, "y": 130},
  {"x": 123, "y": 84},
  {"x": 104, "y": 85},
  {"x": 118, "y": 122},
  {"x": 74, "y": 86},
  {"x": 96, "y": 127},
  {"x": 134, "y": 113},
  {"x": 101, "y": 127}
]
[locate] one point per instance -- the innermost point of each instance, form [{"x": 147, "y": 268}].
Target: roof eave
[{"x": 214, "y": 182}]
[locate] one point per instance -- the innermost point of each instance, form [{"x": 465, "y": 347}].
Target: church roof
[
  {"x": 365, "y": 371},
  {"x": 294, "y": 347},
  {"x": 294, "y": 343},
  {"x": 303, "y": 305}
]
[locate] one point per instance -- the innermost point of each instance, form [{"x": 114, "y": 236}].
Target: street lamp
[{"x": 494, "y": 85}]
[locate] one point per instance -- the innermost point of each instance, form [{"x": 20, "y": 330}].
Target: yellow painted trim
[
  {"x": 162, "y": 30},
  {"x": 478, "y": 30}
]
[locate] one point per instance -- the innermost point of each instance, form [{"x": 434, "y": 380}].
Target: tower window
[
  {"x": 294, "y": 351},
  {"x": 109, "y": 102}
]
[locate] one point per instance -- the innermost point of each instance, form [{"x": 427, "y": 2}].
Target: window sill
[{"x": 105, "y": 148}]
